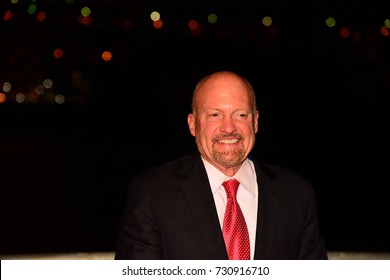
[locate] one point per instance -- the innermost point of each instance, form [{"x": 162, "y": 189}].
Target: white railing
[{"x": 110, "y": 256}]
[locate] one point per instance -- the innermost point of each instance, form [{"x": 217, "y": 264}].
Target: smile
[{"x": 228, "y": 141}]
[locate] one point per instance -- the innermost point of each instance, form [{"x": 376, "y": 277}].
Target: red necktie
[{"x": 235, "y": 231}]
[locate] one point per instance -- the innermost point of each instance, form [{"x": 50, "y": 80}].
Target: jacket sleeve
[{"x": 138, "y": 237}]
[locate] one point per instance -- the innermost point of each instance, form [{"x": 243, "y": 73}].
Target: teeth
[{"x": 228, "y": 141}]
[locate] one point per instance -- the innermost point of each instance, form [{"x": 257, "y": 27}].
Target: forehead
[
  {"x": 222, "y": 89},
  {"x": 223, "y": 79}
]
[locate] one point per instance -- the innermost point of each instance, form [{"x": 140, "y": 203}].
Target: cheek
[
  {"x": 247, "y": 128},
  {"x": 209, "y": 130}
]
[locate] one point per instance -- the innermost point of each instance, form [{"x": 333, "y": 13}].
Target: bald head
[{"x": 220, "y": 76}]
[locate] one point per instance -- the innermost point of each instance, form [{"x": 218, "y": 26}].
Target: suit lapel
[{"x": 197, "y": 190}]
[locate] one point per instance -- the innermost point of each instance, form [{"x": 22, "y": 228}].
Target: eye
[
  {"x": 214, "y": 116},
  {"x": 242, "y": 115}
]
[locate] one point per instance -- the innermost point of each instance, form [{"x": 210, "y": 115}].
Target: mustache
[{"x": 227, "y": 136}]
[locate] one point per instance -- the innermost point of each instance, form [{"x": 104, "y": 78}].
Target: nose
[{"x": 228, "y": 125}]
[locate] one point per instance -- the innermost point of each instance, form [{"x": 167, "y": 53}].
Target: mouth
[{"x": 228, "y": 141}]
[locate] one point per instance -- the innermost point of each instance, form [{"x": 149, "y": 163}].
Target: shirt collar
[{"x": 246, "y": 175}]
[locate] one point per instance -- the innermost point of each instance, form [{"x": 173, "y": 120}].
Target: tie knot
[{"x": 231, "y": 187}]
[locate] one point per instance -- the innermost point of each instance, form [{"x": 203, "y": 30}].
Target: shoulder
[
  {"x": 281, "y": 176},
  {"x": 286, "y": 184},
  {"x": 280, "y": 172},
  {"x": 167, "y": 178},
  {"x": 170, "y": 169}
]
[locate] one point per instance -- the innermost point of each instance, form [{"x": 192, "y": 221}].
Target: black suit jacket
[{"x": 170, "y": 214}]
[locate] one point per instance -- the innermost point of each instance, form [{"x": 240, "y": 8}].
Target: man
[{"x": 177, "y": 210}]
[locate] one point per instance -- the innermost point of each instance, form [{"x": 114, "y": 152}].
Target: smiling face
[{"x": 224, "y": 120}]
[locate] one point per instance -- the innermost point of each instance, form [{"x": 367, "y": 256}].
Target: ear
[
  {"x": 256, "y": 121},
  {"x": 191, "y": 123}
]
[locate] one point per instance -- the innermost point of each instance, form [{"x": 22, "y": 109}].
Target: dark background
[{"x": 64, "y": 168}]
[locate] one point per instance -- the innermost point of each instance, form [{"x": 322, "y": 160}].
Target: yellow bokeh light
[
  {"x": 59, "y": 99},
  {"x": 47, "y": 83},
  {"x": 20, "y": 97},
  {"x": 7, "y": 87},
  {"x": 266, "y": 21},
  {"x": 155, "y": 16}
]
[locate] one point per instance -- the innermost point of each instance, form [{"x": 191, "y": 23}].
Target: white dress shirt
[{"x": 247, "y": 195}]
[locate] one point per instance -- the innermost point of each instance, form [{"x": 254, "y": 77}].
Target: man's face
[{"x": 224, "y": 124}]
